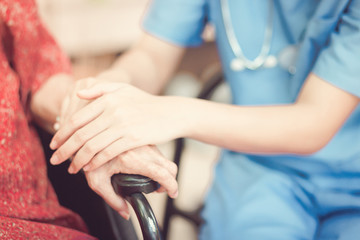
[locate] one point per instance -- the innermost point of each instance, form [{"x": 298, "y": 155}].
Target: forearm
[
  {"x": 266, "y": 130},
  {"x": 46, "y": 103},
  {"x": 148, "y": 65},
  {"x": 299, "y": 128}
]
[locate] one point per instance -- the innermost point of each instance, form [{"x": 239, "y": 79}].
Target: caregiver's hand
[
  {"x": 146, "y": 161},
  {"x": 72, "y": 103},
  {"x": 119, "y": 118}
]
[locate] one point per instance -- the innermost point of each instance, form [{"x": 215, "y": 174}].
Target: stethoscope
[{"x": 240, "y": 62}]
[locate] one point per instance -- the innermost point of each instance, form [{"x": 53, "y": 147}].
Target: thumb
[
  {"x": 97, "y": 90},
  {"x": 104, "y": 189},
  {"x": 114, "y": 200}
]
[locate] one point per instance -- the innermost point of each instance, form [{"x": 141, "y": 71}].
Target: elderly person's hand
[
  {"x": 119, "y": 118},
  {"x": 72, "y": 103},
  {"x": 146, "y": 161}
]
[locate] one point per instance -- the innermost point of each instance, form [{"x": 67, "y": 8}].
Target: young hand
[{"x": 119, "y": 118}]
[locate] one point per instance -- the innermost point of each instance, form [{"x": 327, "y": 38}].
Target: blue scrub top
[{"x": 327, "y": 36}]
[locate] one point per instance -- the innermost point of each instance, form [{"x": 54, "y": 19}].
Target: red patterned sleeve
[
  {"x": 51, "y": 59},
  {"x": 35, "y": 54}
]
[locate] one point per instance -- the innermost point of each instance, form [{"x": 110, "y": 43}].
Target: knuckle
[
  {"x": 100, "y": 158},
  {"x": 79, "y": 162},
  {"x": 123, "y": 160},
  {"x": 89, "y": 149},
  {"x": 105, "y": 154},
  {"x": 128, "y": 154},
  {"x": 162, "y": 174},
  {"x": 61, "y": 154},
  {"x": 80, "y": 137},
  {"x": 73, "y": 122},
  {"x": 97, "y": 161},
  {"x": 174, "y": 168},
  {"x": 94, "y": 183}
]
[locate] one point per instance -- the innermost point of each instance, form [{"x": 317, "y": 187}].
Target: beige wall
[{"x": 93, "y": 27}]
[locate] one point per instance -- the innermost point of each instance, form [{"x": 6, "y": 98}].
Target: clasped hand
[{"x": 111, "y": 128}]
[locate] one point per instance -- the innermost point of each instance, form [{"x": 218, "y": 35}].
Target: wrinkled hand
[
  {"x": 72, "y": 103},
  {"x": 146, "y": 161},
  {"x": 119, "y": 118}
]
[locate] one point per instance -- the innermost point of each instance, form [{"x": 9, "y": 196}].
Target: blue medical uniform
[{"x": 286, "y": 197}]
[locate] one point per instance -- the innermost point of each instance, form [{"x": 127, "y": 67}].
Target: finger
[
  {"x": 64, "y": 108},
  {"x": 78, "y": 120},
  {"x": 93, "y": 147},
  {"x": 166, "y": 163},
  {"x": 151, "y": 151},
  {"x": 171, "y": 166},
  {"x": 98, "y": 90},
  {"x": 78, "y": 139},
  {"x": 161, "y": 189},
  {"x": 74, "y": 103},
  {"x": 114, "y": 149},
  {"x": 148, "y": 166},
  {"x": 163, "y": 177},
  {"x": 106, "y": 191}
]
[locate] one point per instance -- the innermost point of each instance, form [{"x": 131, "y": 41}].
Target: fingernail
[
  {"x": 54, "y": 160},
  {"x": 53, "y": 145},
  {"x": 175, "y": 195},
  {"x": 125, "y": 215}
]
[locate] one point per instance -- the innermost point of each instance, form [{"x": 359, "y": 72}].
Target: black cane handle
[{"x": 132, "y": 187}]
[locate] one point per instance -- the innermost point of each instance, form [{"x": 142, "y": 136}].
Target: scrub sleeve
[
  {"x": 338, "y": 62},
  {"x": 282, "y": 197},
  {"x": 180, "y": 22}
]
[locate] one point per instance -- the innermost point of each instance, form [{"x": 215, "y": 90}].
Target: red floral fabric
[{"x": 28, "y": 57}]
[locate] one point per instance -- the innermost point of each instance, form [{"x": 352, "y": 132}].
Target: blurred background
[{"x": 93, "y": 33}]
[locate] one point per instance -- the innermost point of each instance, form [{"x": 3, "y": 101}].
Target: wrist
[
  {"x": 202, "y": 120},
  {"x": 114, "y": 75},
  {"x": 185, "y": 115},
  {"x": 46, "y": 103}
]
